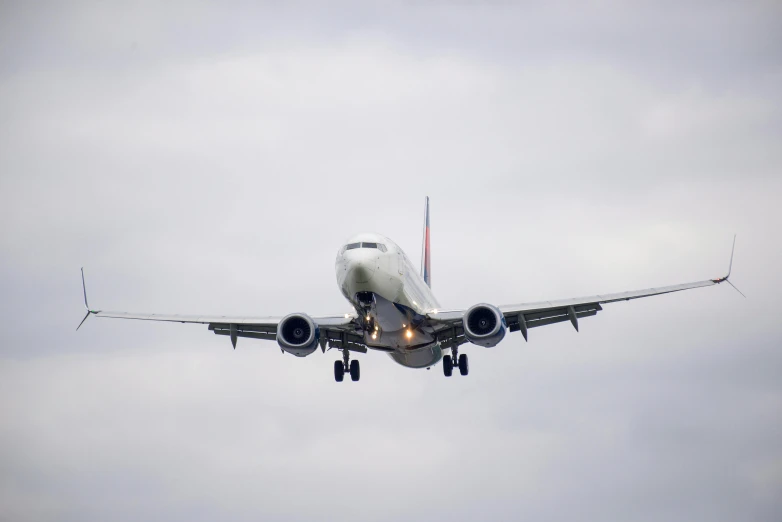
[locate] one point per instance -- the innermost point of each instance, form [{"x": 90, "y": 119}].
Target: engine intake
[
  {"x": 484, "y": 325},
  {"x": 298, "y": 334}
]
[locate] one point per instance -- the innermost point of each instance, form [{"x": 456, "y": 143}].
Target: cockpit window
[{"x": 379, "y": 246}]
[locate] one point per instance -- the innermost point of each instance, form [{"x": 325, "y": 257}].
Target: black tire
[
  {"x": 464, "y": 366},
  {"x": 447, "y": 365},
  {"x": 355, "y": 370},
  {"x": 339, "y": 371}
]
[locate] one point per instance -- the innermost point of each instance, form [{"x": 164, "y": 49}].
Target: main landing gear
[
  {"x": 448, "y": 363},
  {"x": 351, "y": 366}
]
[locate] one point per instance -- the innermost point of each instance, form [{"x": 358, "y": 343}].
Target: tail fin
[{"x": 426, "y": 256}]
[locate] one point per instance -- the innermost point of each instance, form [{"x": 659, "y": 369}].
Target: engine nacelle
[
  {"x": 484, "y": 325},
  {"x": 298, "y": 334}
]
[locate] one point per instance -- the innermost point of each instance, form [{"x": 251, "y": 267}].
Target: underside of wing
[
  {"x": 523, "y": 316},
  {"x": 337, "y": 329}
]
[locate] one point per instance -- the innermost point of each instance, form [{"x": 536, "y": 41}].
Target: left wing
[
  {"x": 523, "y": 316},
  {"x": 531, "y": 315}
]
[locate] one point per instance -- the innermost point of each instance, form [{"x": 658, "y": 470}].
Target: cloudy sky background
[{"x": 212, "y": 159}]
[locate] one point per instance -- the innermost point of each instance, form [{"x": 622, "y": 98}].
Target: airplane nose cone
[{"x": 362, "y": 271}]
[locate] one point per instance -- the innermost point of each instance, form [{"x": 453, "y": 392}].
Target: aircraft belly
[
  {"x": 397, "y": 327},
  {"x": 419, "y": 357}
]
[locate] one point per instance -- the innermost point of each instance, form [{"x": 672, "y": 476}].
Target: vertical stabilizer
[{"x": 426, "y": 255}]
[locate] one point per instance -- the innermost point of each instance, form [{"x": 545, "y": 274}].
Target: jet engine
[
  {"x": 484, "y": 325},
  {"x": 298, "y": 334}
]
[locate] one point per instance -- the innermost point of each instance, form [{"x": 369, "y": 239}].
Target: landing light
[
  {"x": 374, "y": 336},
  {"x": 409, "y": 334},
  {"x": 368, "y": 318}
]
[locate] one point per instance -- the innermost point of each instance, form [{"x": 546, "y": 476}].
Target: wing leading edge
[
  {"x": 332, "y": 320},
  {"x": 338, "y": 329}
]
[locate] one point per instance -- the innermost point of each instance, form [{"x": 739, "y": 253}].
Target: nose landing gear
[
  {"x": 461, "y": 361},
  {"x": 352, "y": 367}
]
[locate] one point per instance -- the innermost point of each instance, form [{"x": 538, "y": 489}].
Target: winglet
[
  {"x": 736, "y": 289},
  {"x": 87, "y": 306},
  {"x": 82, "y": 321},
  {"x": 730, "y": 267},
  {"x": 84, "y": 289}
]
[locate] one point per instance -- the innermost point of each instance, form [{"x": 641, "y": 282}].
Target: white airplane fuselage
[{"x": 393, "y": 299}]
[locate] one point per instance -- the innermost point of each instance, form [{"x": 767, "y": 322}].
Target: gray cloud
[{"x": 212, "y": 159}]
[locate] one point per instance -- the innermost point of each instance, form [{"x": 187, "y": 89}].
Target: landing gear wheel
[
  {"x": 355, "y": 370},
  {"x": 447, "y": 366},
  {"x": 339, "y": 371},
  {"x": 464, "y": 367}
]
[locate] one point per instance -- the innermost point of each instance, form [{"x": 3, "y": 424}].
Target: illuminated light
[
  {"x": 347, "y": 316},
  {"x": 409, "y": 334},
  {"x": 434, "y": 311},
  {"x": 415, "y": 303},
  {"x": 374, "y": 336},
  {"x": 377, "y": 327},
  {"x": 403, "y": 325},
  {"x": 368, "y": 318}
]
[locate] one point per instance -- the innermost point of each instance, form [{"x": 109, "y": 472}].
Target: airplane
[{"x": 397, "y": 313}]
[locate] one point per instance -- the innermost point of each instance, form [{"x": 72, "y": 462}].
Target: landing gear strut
[
  {"x": 346, "y": 364},
  {"x": 460, "y": 360}
]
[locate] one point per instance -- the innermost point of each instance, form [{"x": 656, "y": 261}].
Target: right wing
[{"x": 336, "y": 330}]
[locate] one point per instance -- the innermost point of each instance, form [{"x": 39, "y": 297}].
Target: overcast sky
[{"x": 212, "y": 158}]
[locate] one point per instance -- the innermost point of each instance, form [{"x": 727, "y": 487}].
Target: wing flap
[
  {"x": 335, "y": 337},
  {"x": 544, "y": 314},
  {"x": 249, "y": 328},
  {"x": 243, "y": 333},
  {"x": 559, "y": 318}
]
